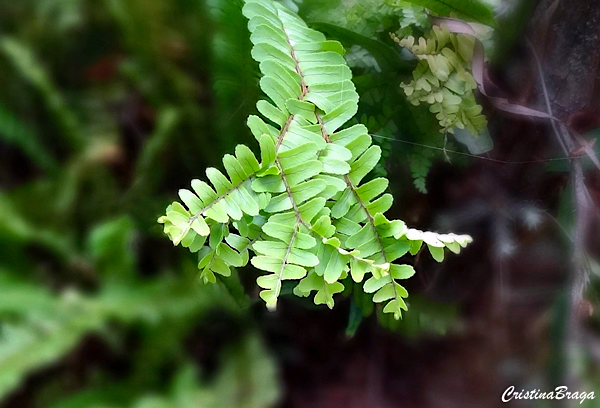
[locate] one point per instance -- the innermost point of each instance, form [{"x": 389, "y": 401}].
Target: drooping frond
[
  {"x": 302, "y": 210},
  {"x": 304, "y": 75}
]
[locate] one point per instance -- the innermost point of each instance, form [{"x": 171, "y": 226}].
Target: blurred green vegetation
[{"x": 106, "y": 109}]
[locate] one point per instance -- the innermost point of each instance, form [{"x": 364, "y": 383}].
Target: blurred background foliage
[{"x": 107, "y": 108}]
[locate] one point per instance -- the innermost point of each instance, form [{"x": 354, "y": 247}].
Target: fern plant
[
  {"x": 442, "y": 79},
  {"x": 302, "y": 209}
]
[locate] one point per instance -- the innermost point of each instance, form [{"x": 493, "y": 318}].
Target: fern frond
[
  {"x": 228, "y": 198},
  {"x": 303, "y": 74},
  {"x": 301, "y": 210},
  {"x": 443, "y": 80},
  {"x": 420, "y": 163}
]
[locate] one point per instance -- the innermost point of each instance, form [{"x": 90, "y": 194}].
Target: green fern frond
[
  {"x": 302, "y": 210},
  {"x": 420, "y": 163}
]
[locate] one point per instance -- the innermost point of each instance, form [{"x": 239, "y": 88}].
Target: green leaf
[
  {"x": 218, "y": 180},
  {"x": 401, "y": 271},
  {"x": 374, "y": 284},
  {"x": 473, "y": 10},
  {"x": 331, "y": 263},
  {"x": 372, "y": 189},
  {"x": 193, "y": 203},
  {"x": 200, "y": 226},
  {"x": 303, "y": 171},
  {"x": 325, "y": 291},
  {"x": 227, "y": 254},
  {"x": 395, "y": 306},
  {"x": 298, "y": 154},
  {"x": 385, "y": 293},
  {"x": 364, "y": 235},
  {"x": 358, "y": 268},
  {"x": 361, "y": 167},
  {"x": 279, "y": 249},
  {"x": 388, "y": 58},
  {"x": 436, "y": 252},
  {"x": 285, "y": 232},
  {"x": 343, "y": 204}
]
